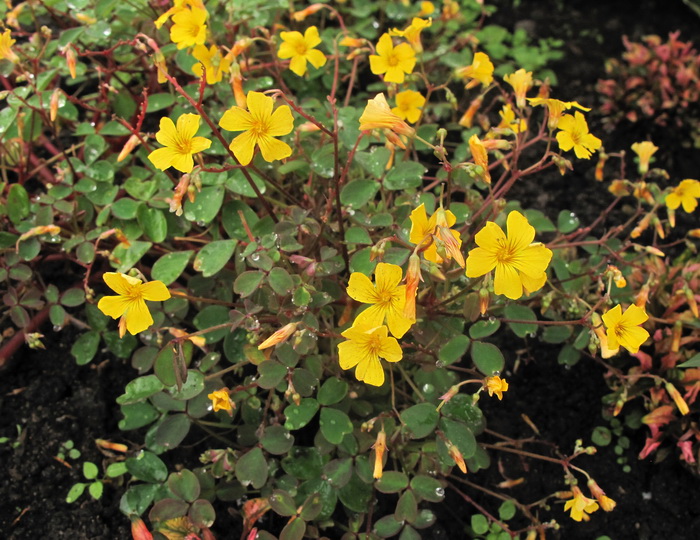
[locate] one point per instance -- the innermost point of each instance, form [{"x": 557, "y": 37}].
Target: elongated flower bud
[
  {"x": 53, "y": 105},
  {"x": 71, "y": 61},
  {"x": 379, "y": 450},
  {"x": 413, "y": 278},
  {"x": 677, "y": 398},
  {"x": 139, "y": 531},
  {"x": 280, "y": 336},
  {"x": 131, "y": 143}
]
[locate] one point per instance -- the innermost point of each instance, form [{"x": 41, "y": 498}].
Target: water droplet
[
  {"x": 440, "y": 492},
  {"x": 287, "y": 435},
  {"x": 57, "y": 328},
  {"x": 255, "y": 257},
  {"x": 492, "y": 319},
  {"x": 439, "y": 364},
  {"x": 428, "y": 388},
  {"x": 332, "y": 422}
]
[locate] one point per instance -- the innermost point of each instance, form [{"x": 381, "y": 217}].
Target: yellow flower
[
  {"x": 178, "y": 5},
  {"x": 436, "y": 233},
  {"x": 481, "y": 157},
  {"x": 392, "y": 61},
  {"x": 481, "y": 71},
  {"x": 520, "y": 264},
  {"x": 301, "y": 49},
  {"x": 521, "y": 81},
  {"x": 221, "y": 401},
  {"x": 180, "y": 143},
  {"x": 378, "y": 115},
  {"x": 6, "y": 42},
  {"x": 509, "y": 121},
  {"x": 259, "y": 125},
  {"x": 426, "y": 9},
  {"x": 214, "y": 64},
  {"x": 496, "y": 385},
  {"x": 574, "y": 134},
  {"x": 580, "y": 505},
  {"x": 555, "y": 108},
  {"x": 189, "y": 28},
  {"x": 387, "y": 297},
  {"x": 606, "y": 503},
  {"x": 408, "y": 105},
  {"x": 686, "y": 194},
  {"x": 623, "y": 328},
  {"x": 130, "y": 303},
  {"x": 365, "y": 346},
  {"x": 412, "y": 32},
  {"x": 644, "y": 151}
]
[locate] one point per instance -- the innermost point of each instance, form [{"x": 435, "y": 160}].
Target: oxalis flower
[
  {"x": 574, "y": 134},
  {"x": 130, "y": 303},
  {"x": 221, "y": 401},
  {"x": 378, "y": 115},
  {"x": 393, "y": 62},
  {"x": 555, "y": 108},
  {"x": 259, "y": 125},
  {"x": 623, "y": 328},
  {"x": 480, "y": 71},
  {"x": 180, "y": 143},
  {"x": 521, "y": 81},
  {"x": 644, "y": 151},
  {"x": 686, "y": 193},
  {"x": 520, "y": 264},
  {"x": 436, "y": 233},
  {"x": 211, "y": 62},
  {"x": 580, "y": 505},
  {"x": 189, "y": 28},
  {"x": 408, "y": 105},
  {"x": 365, "y": 345},
  {"x": 6, "y": 43},
  {"x": 301, "y": 50},
  {"x": 387, "y": 297}
]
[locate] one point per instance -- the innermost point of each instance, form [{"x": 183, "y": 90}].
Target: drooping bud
[
  {"x": 413, "y": 278},
  {"x": 447, "y": 396},
  {"x": 600, "y": 166},
  {"x": 302, "y": 14},
  {"x": 53, "y": 104},
  {"x": 484, "y": 300},
  {"x": 480, "y": 157},
  {"x": 131, "y": 143},
  {"x": 457, "y": 456},
  {"x": 677, "y": 398},
  {"x": 467, "y": 119},
  {"x": 379, "y": 450},
  {"x": 605, "y": 502},
  {"x": 139, "y": 531},
  {"x": 71, "y": 60},
  {"x": 237, "y": 85},
  {"x": 690, "y": 297}
]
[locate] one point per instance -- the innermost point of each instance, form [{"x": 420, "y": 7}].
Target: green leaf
[
  {"x": 114, "y": 470},
  {"x": 153, "y": 223},
  {"x": 238, "y": 183},
  {"x": 313, "y": 505},
  {"x": 294, "y": 530},
  {"x": 169, "y": 267},
  {"x": 453, "y": 350},
  {"x": 247, "y": 283},
  {"x": 521, "y": 313},
  {"x": 252, "y": 469},
  {"x": 90, "y": 470},
  {"x": 428, "y": 488},
  {"x": 96, "y": 489},
  {"x": 357, "y": 235},
  {"x": 567, "y": 221},
  {"x": 209, "y": 317},
  {"x": 73, "y": 297},
  {"x": 280, "y": 281},
  {"x": 333, "y": 391},
  {"x": 214, "y": 256},
  {"x": 137, "y": 415},
  {"x": 147, "y": 467},
  {"x": 303, "y": 463},
  {"x": 487, "y": 358},
  {"x": 193, "y": 386},
  {"x": 131, "y": 255},
  {"x": 482, "y": 329},
  {"x": 85, "y": 347},
  {"x": 166, "y": 364},
  {"x": 137, "y": 499},
  {"x": 374, "y": 162},
  {"x": 506, "y": 511},
  {"x": 356, "y": 495},
  {"x": 693, "y": 362},
  {"x": 405, "y": 175},
  {"x": 277, "y": 440},
  {"x": 172, "y": 431},
  {"x": 387, "y": 526},
  {"x": 75, "y": 492},
  {"x": 480, "y": 524},
  {"x": 184, "y": 484},
  {"x": 335, "y": 424},
  {"x": 166, "y": 509},
  {"x": 420, "y": 420},
  {"x": 125, "y": 208},
  {"x": 202, "y": 513},
  {"x": 392, "y": 482},
  {"x": 557, "y": 334},
  {"x": 158, "y": 102},
  {"x": 17, "y": 203},
  {"x": 139, "y": 389},
  {"x": 460, "y": 435},
  {"x": 407, "y": 507},
  {"x": 271, "y": 374},
  {"x": 206, "y": 205},
  {"x": 357, "y": 193},
  {"x": 297, "y": 416},
  {"x": 338, "y": 472},
  {"x": 282, "y": 503}
]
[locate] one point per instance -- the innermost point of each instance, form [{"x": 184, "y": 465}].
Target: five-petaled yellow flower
[
  {"x": 496, "y": 385},
  {"x": 178, "y": 5},
  {"x": 574, "y": 134},
  {"x": 179, "y": 142},
  {"x": 365, "y": 345},
  {"x": 509, "y": 121},
  {"x": 644, "y": 151},
  {"x": 520, "y": 264},
  {"x": 412, "y": 32},
  {"x": 387, "y": 297},
  {"x": 301, "y": 50},
  {"x": 378, "y": 115},
  {"x": 580, "y": 505},
  {"x": 408, "y": 105},
  {"x": 481, "y": 71},
  {"x": 623, "y": 328},
  {"x": 260, "y": 126},
  {"x": 686, "y": 193},
  {"x": 214, "y": 64},
  {"x": 521, "y": 81},
  {"x": 221, "y": 401},
  {"x": 480, "y": 156},
  {"x": 189, "y": 27},
  {"x": 393, "y": 62},
  {"x": 130, "y": 303},
  {"x": 435, "y": 233},
  {"x": 6, "y": 42},
  {"x": 555, "y": 108}
]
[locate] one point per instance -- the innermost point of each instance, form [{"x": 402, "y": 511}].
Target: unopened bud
[
  {"x": 379, "y": 450},
  {"x": 280, "y": 336},
  {"x": 71, "y": 60},
  {"x": 677, "y": 398},
  {"x": 131, "y": 143},
  {"x": 53, "y": 104},
  {"x": 457, "y": 456},
  {"x": 302, "y": 14},
  {"x": 139, "y": 531}
]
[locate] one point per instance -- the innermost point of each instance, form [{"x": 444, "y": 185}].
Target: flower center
[
  {"x": 260, "y": 127},
  {"x": 576, "y": 136},
  {"x": 392, "y": 60},
  {"x": 135, "y": 294},
  {"x": 301, "y": 48},
  {"x": 505, "y": 253},
  {"x": 374, "y": 345},
  {"x": 184, "y": 145}
]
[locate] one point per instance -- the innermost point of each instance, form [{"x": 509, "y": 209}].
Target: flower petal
[
  {"x": 311, "y": 37},
  {"x": 633, "y": 337},
  {"x": 120, "y": 283},
  {"x": 398, "y": 324},
  {"x": 388, "y": 276},
  {"x": 385, "y": 46},
  {"x": 316, "y": 57},
  {"x": 390, "y": 350},
  {"x": 273, "y": 149},
  {"x": 612, "y": 317},
  {"x": 187, "y": 125},
  {"x": 281, "y": 121},
  {"x": 138, "y": 318},
  {"x": 532, "y": 284},
  {"x": 286, "y": 50},
  {"x": 243, "y": 147},
  {"x": 155, "y": 291},
  {"x": 633, "y": 316},
  {"x": 520, "y": 232},
  {"x": 370, "y": 371},
  {"x": 507, "y": 281},
  {"x": 378, "y": 64},
  {"x": 236, "y": 119},
  {"x": 199, "y": 144},
  {"x": 372, "y": 317},
  {"x": 361, "y": 288},
  {"x": 419, "y": 225},
  {"x": 480, "y": 261},
  {"x": 491, "y": 237},
  {"x": 167, "y": 135},
  {"x": 533, "y": 260},
  {"x": 260, "y": 106},
  {"x": 182, "y": 162},
  {"x": 350, "y": 353},
  {"x": 298, "y": 65},
  {"x": 113, "y": 306}
]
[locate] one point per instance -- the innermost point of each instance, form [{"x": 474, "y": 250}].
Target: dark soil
[{"x": 54, "y": 401}]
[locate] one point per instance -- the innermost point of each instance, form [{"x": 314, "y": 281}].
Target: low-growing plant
[{"x": 317, "y": 289}]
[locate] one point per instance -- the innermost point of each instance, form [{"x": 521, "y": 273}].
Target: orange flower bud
[
  {"x": 619, "y": 188},
  {"x": 480, "y": 157},
  {"x": 447, "y": 396},
  {"x": 641, "y": 226},
  {"x": 457, "y": 456},
  {"x": 642, "y": 296},
  {"x": 109, "y": 445},
  {"x": 413, "y": 278},
  {"x": 280, "y": 336},
  {"x": 677, "y": 398},
  {"x": 694, "y": 233},
  {"x": 237, "y": 86},
  {"x": 302, "y": 14},
  {"x": 161, "y": 67},
  {"x": 131, "y": 143},
  {"x": 467, "y": 119},
  {"x": 600, "y": 166},
  {"x": 71, "y": 60},
  {"x": 484, "y": 300},
  {"x": 690, "y": 297},
  {"x": 348, "y": 41},
  {"x": 676, "y": 336},
  {"x": 139, "y": 531},
  {"x": 379, "y": 449},
  {"x": 53, "y": 104},
  {"x": 240, "y": 46},
  {"x": 606, "y": 503}
]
